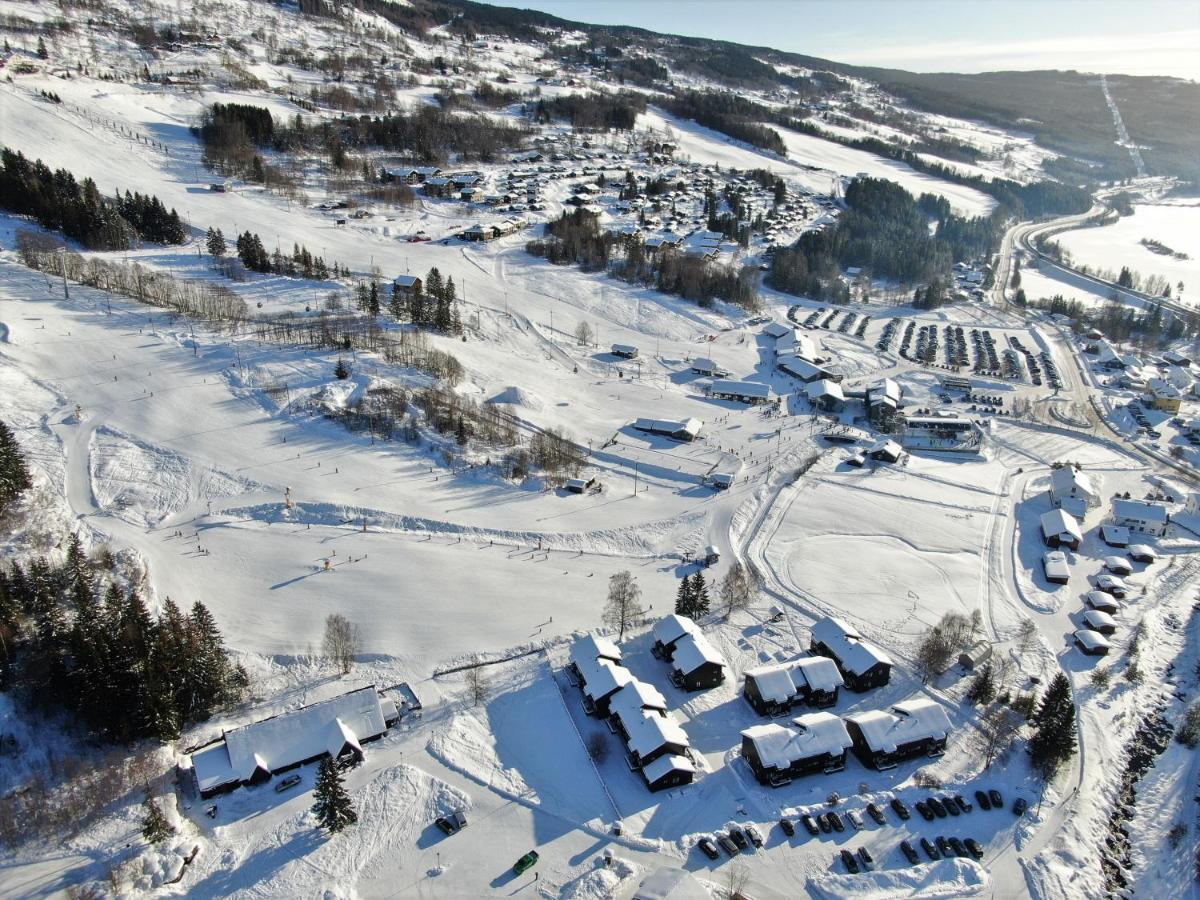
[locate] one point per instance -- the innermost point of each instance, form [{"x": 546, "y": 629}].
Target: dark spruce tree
[
  {"x": 700, "y": 599},
  {"x": 1054, "y": 737},
  {"x": 14, "y": 474},
  {"x": 155, "y": 827},
  {"x": 331, "y": 803},
  {"x": 684, "y": 597}
]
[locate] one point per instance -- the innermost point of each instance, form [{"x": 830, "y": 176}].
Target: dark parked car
[
  {"x": 962, "y": 803},
  {"x": 526, "y": 862},
  {"x": 736, "y": 835},
  {"x": 943, "y": 846},
  {"x": 823, "y": 821},
  {"x": 951, "y": 806},
  {"x": 973, "y": 848},
  {"x": 727, "y": 845},
  {"x": 865, "y": 857},
  {"x": 755, "y": 838},
  {"x": 930, "y": 850},
  {"x": 876, "y": 813},
  {"x": 836, "y": 821},
  {"x": 285, "y": 784},
  {"x": 925, "y": 810},
  {"x": 982, "y": 799},
  {"x": 454, "y": 822},
  {"x": 708, "y": 847},
  {"x": 1020, "y": 806},
  {"x": 788, "y": 828},
  {"x": 909, "y": 853},
  {"x": 849, "y": 862},
  {"x": 901, "y": 809},
  {"x": 997, "y": 800},
  {"x": 810, "y": 823},
  {"x": 939, "y": 809},
  {"x": 957, "y": 846}
]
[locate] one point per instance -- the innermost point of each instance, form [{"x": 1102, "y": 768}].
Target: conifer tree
[
  {"x": 155, "y": 827},
  {"x": 216, "y": 242},
  {"x": 1053, "y": 741},
  {"x": 684, "y": 598},
  {"x": 398, "y": 305},
  {"x": 700, "y": 599},
  {"x": 41, "y": 49},
  {"x": 983, "y": 687},
  {"x": 14, "y": 474},
  {"x": 332, "y": 805}
]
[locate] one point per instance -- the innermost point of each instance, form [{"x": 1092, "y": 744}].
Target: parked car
[
  {"x": 736, "y": 835},
  {"x": 526, "y": 862},
  {"x": 865, "y": 857},
  {"x": 708, "y": 847},
  {"x": 849, "y": 862},
  {"x": 925, "y": 810},
  {"x": 788, "y": 828},
  {"x": 938, "y": 808},
  {"x": 962, "y": 803},
  {"x": 1020, "y": 806},
  {"x": 855, "y": 818},
  {"x": 943, "y": 846},
  {"x": 957, "y": 846},
  {"x": 982, "y": 799},
  {"x": 997, "y": 800},
  {"x": 752, "y": 833},
  {"x": 727, "y": 845},
  {"x": 811, "y": 824},
  {"x": 876, "y": 813},
  {"x": 287, "y": 783},
  {"x": 973, "y": 848},
  {"x": 951, "y": 806},
  {"x": 930, "y": 850},
  {"x": 456, "y": 821},
  {"x": 836, "y": 821},
  {"x": 901, "y": 809},
  {"x": 823, "y": 821},
  {"x": 909, "y": 853}
]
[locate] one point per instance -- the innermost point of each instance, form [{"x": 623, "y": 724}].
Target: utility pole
[
  {"x": 635, "y": 478},
  {"x": 66, "y": 290}
]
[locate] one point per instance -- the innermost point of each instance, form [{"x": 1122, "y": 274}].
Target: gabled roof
[
  {"x": 650, "y": 731},
  {"x": 1057, "y": 522},
  {"x": 856, "y": 655},
  {"x": 665, "y": 765},
  {"x": 800, "y": 368},
  {"x": 590, "y": 648},
  {"x": 820, "y": 672},
  {"x": 673, "y": 627},
  {"x": 692, "y": 651},
  {"x": 741, "y": 388},
  {"x": 825, "y": 388},
  {"x": 1091, "y": 640},
  {"x": 407, "y": 280},
  {"x": 774, "y": 683},
  {"x": 913, "y": 720},
  {"x": 1139, "y": 509},
  {"x": 1098, "y": 619},
  {"x": 635, "y": 697},
  {"x": 815, "y": 734},
  {"x": 776, "y": 329},
  {"x": 885, "y": 389},
  {"x": 1067, "y": 480},
  {"x": 602, "y": 677},
  {"x": 1102, "y": 601},
  {"x": 291, "y": 737},
  {"x": 1056, "y": 565}
]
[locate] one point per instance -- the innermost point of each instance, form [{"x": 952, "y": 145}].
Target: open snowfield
[{"x": 1177, "y": 225}]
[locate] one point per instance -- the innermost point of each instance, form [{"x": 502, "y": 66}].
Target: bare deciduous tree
[
  {"x": 477, "y": 685},
  {"x": 597, "y": 746},
  {"x": 624, "y": 607},
  {"x": 736, "y": 878},
  {"x": 737, "y": 588},
  {"x": 999, "y": 724},
  {"x": 584, "y": 334},
  {"x": 342, "y": 641}
]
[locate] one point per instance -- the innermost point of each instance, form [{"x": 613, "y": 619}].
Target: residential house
[
  {"x": 625, "y": 351},
  {"x": 883, "y": 403},
  {"x": 1056, "y": 567},
  {"x": 776, "y": 754},
  {"x": 775, "y": 689},
  {"x": 1141, "y": 516},
  {"x": 1070, "y": 487},
  {"x": 704, "y": 366},
  {"x": 862, "y": 664},
  {"x": 826, "y": 395},
  {"x": 1060, "y": 529},
  {"x": 696, "y": 664},
  {"x": 407, "y": 285},
  {"x": 667, "y": 631},
  {"x": 1091, "y": 643},
  {"x": 252, "y": 754},
  {"x": 881, "y": 739}
]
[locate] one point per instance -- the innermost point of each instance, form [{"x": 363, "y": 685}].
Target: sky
[{"x": 1136, "y": 37}]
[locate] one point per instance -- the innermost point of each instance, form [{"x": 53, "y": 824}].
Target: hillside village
[{"x": 451, "y": 456}]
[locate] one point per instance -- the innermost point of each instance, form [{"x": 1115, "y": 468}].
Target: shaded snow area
[{"x": 945, "y": 878}]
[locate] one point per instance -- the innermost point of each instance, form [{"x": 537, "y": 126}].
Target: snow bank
[
  {"x": 517, "y": 396},
  {"x": 945, "y": 878}
]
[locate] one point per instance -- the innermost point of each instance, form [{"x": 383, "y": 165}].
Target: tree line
[
  {"x": 729, "y": 113},
  {"x": 576, "y": 237},
  {"x": 430, "y": 304},
  {"x": 600, "y": 112},
  {"x": 59, "y": 202}
]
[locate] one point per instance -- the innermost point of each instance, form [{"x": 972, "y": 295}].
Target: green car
[{"x": 526, "y": 862}]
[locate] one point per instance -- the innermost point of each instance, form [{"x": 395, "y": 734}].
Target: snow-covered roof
[
  {"x": 1115, "y": 534},
  {"x": 665, "y": 765},
  {"x": 1102, "y": 601},
  {"x": 740, "y": 388},
  {"x": 1057, "y": 522},
  {"x": 1117, "y": 563},
  {"x": 855, "y": 654},
  {"x": 776, "y": 329},
  {"x": 1141, "y": 510},
  {"x": 825, "y": 388},
  {"x": 1056, "y": 565},
  {"x": 1108, "y": 580},
  {"x": 1067, "y": 480},
  {"x": 666, "y": 426},
  {"x": 636, "y": 696},
  {"x": 624, "y": 348},
  {"x": 407, "y": 281},
  {"x": 820, "y": 672},
  {"x": 1141, "y": 550},
  {"x": 1098, "y": 619},
  {"x": 799, "y": 368},
  {"x": 884, "y": 389},
  {"x": 602, "y": 677},
  {"x": 291, "y": 737},
  {"x": 672, "y": 628},
  {"x": 774, "y": 683},
  {"x": 591, "y": 647},
  {"x": 1091, "y": 640},
  {"x": 704, "y": 364},
  {"x": 649, "y": 731},
  {"x": 815, "y": 734},
  {"x": 904, "y": 723},
  {"x": 692, "y": 651}
]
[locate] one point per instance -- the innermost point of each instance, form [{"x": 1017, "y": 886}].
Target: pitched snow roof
[
  {"x": 825, "y": 388},
  {"x": 1141, "y": 550},
  {"x": 650, "y": 731},
  {"x": 1108, "y": 580},
  {"x": 799, "y": 368},
  {"x": 913, "y": 720},
  {"x": 774, "y": 683},
  {"x": 590, "y": 648},
  {"x": 1139, "y": 509},
  {"x": 776, "y": 329},
  {"x": 1057, "y": 522},
  {"x": 1067, "y": 480},
  {"x": 673, "y": 627},
  {"x": 665, "y": 426},
  {"x": 1098, "y": 619},
  {"x": 407, "y": 281},
  {"x": 1091, "y": 640},
  {"x": 815, "y": 734},
  {"x": 602, "y": 677},
  {"x": 636, "y": 696},
  {"x": 665, "y": 765},
  {"x": 692, "y": 651},
  {"x": 1056, "y": 565},
  {"x": 820, "y": 672},
  {"x": 856, "y": 655},
  {"x": 291, "y": 737},
  {"x": 1102, "y": 601},
  {"x": 740, "y": 388}
]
